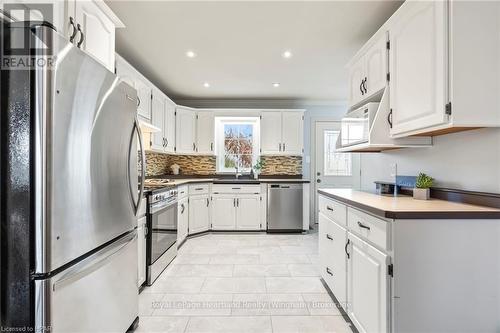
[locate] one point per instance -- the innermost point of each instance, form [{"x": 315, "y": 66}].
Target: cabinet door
[
  {"x": 356, "y": 76},
  {"x": 182, "y": 220},
  {"x": 141, "y": 248},
  {"x": 368, "y": 286},
  {"x": 248, "y": 212},
  {"x": 224, "y": 212},
  {"x": 333, "y": 260},
  {"x": 205, "y": 133},
  {"x": 293, "y": 133},
  {"x": 158, "y": 119},
  {"x": 143, "y": 97},
  {"x": 199, "y": 213},
  {"x": 185, "y": 131},
  {"x": 270, "y": 132},
  {"x": 99, "y": 33},
  {"x": 169, "y": 126},
  {"x": 376, "y": 66},
  {"x": 418, "y": 66}
]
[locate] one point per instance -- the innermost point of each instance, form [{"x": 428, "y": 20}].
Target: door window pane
[{"x": 336, "y": 164}]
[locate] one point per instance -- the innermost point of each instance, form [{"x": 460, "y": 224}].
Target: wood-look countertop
[{"x": 405, "y": 207}]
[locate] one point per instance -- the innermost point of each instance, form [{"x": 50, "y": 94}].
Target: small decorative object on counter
[
  {"x": 422, "y": 187},
  {"x": 175, "y": 169},
  {"x": 257, "y": 168}
]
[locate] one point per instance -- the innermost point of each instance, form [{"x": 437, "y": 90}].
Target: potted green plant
[
  {"x": 257, "y": 168},
  {"x": 422, "y": 187}
]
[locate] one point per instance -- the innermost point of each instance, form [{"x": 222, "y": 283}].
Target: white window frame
[
  {"x": 219, "y": 140},
  {"x": 327, "y": 152}
]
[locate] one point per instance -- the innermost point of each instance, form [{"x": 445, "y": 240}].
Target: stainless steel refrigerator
[{"x": 69, "y": 191}]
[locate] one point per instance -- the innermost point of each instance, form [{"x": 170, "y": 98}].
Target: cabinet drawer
[
  {"x": 196, "y": 189},
  {"x": 368, "y": 227},
  {"x": 236, "y": 188},
  {"x": 182, "y": 192},
  {"x": 333, "y": 209}
]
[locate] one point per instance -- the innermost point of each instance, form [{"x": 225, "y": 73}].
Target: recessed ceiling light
[
  {"x": 190, "y": 54},
  {"x": 287, "y": 54},
  {"x": 276, "y": 84},
  {"x": 206, "y": 85}
]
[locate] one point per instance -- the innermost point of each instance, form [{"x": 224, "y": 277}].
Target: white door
[
  {"x": 141, "y": 250},
  {"x": 143, "y": 97},
  {"x": 205, "y": 133},
  {"x": 356, "y": 76},
  {"x": 248, "y": 212},
  {"x": 270, "y": 133},
  {"x": 198, "y": 213},
  {"x": 332, "y": 169},
  {"x": 182, "y": 220},
  {"x": 158, "y": 120},
  {"x": 293, "y": 132},
  {"x": 376, "y": 65},
  {"x": 169, "y": 126},
  {"x": 418, "y": 83},
  {"x": 224, "y": 212},
  {"x": 185, "y": 131},
  {"x": 98, "y": 33},
  {"x": 368, "y": 286}
]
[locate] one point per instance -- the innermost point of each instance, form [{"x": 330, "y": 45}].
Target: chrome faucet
[{"x": 237, "y": 172}]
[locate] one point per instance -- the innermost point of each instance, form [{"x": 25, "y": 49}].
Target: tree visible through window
[
  {"x": 336, "y": 164},
  {"x": 237, "y": 144}
]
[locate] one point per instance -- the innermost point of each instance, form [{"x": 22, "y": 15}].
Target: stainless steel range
[{"x": 162, "y": 231}]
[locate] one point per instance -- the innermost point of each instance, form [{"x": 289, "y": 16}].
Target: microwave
[{"x": 356, "y": 124}]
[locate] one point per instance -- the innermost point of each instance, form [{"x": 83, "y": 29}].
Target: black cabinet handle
[
  {"x": 345, "y": 248},
  {"x": 194, "y": 146},
  {"x": 389, "y": 118},
  {"x": 182, "y": 208},
  {"x": 211, "y": 146},
  {"x": 329, "y": 271},
  {"x": 234, "y": 202},
  {"x": 329, "y": 237},
  {"x": 329, "y": 208},
  {"x": 73, "y": 34},
  {"x": 361, "y": 225},
  {"x": 208, "y": 202},
  {"x": 280, "y": 146},
  {"x": 237, "y": 202},
  {"x": 284, "y": 147},
  {"x": 82, "y": 35},
  {"x": 199, "y": 189},
  {"x": 235, "y": 188},
  {"x": 364, "y": 84},
  {"x": 361, "y": 88}
]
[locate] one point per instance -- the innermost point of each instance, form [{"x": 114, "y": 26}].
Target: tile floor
[{"x": 242, "y": 282}]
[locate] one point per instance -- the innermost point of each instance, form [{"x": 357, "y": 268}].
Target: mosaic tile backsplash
[{"x": 159, "y": 164}]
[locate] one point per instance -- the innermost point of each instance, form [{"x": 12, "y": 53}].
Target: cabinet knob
[{"x": 329, "y": 237}]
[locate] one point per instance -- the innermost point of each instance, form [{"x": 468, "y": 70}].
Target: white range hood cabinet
[{"x": 379, "y": 134}]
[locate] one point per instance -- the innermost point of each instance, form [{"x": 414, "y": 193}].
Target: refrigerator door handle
[
  {"x": 137, "y": 206},
  {"x": 78, "y": 272}
]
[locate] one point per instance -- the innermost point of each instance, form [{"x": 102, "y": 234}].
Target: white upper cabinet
[
  {"x": 205, "y": 133},
  {"x": 281, "y": 132},
  {"x": 292, "y": 133},
  {"x": 367, "y": 283},
  {"x": 144, "y": 89},
  {"x": 169, "y": 126},
  {"x": 185, "y": 130},
  {"x": 418, "y": 66},
  {"x": 368, "y": 72},
  {"x": 158, "y": 106}
]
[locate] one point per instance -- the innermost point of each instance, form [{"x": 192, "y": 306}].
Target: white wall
[{"x": 468, "y": 160}]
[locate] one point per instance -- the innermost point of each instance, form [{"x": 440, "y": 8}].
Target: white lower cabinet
[
  {"x": 199, "y": 213},
  {"x": 367, "y": 283},
  {"x": 223, "y": 212},
  {"x": 248, "y": 212},
  {"x": 141, "y": 250},
  {"x": 182, "y": 220}
]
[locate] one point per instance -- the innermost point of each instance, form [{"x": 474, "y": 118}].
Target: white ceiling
[{"x": 239, "y": 45}]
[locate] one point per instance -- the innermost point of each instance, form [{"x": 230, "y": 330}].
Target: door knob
[{"x": 318, "y": 180}]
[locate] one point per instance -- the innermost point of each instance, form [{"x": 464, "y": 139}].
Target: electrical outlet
[{"x": 394, "y": 170}]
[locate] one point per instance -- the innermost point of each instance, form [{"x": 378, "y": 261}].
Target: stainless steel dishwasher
[{"x": 284, "y": 207}]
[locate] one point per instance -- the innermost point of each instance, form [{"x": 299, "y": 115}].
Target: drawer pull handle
[
  {"x": 329, "y": 271},
  {"x": 198, "y": 189},
  {"x": 361, "y": 225},
  {"x": 329, "y": 237},
  {"x": 329, "y": 208},
  {"x": 346, "y": 245},
  {"x": 235, "y": 188}
]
